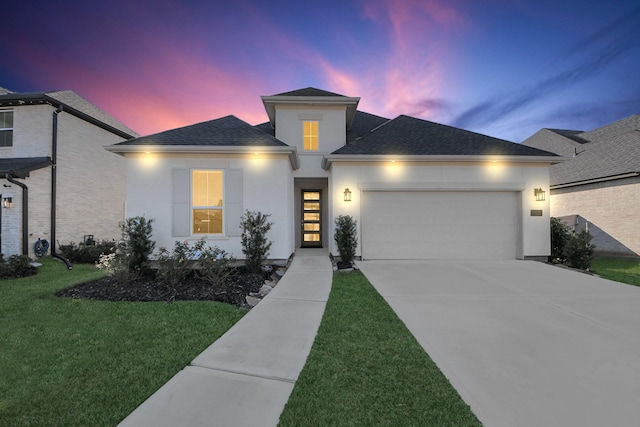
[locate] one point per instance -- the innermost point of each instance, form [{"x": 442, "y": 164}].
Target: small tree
[
  {"x": 579, "y": 250},
  {"x": 346, "y": 237},
  {"x": 139, "y": 245},
  {"x": 560, "y": 235},
  {"x": 255, "y": 245}
]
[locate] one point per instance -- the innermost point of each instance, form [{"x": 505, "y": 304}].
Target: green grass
[
  {"x": 67, "y": 362},
  {"x": 365, "y": 368},
  {"x": 620, "y": 270}
]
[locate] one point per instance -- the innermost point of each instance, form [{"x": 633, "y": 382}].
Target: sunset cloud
[{"x": 498, "y": 67}]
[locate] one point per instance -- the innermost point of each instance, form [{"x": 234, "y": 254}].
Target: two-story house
[
  {"x": 417, "y": 189},
  {"x": 58, "y": 182}
]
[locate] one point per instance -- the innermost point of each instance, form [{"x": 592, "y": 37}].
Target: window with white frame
[
  {"x": 6, "y": 128},
  {"x": 207, "y": 201}
]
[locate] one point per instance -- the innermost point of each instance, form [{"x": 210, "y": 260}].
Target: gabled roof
[
  {"x": 228, "y": 131},
  {"x": 606, "y": 153},
  {"x": 20, "y": 167},
  {"x": 308, "y": 91},
  {"x": 406, "y": 135},
  {"x": 70, "y": 102}
]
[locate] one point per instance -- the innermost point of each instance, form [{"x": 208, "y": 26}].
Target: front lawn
[
  {"x": 90, "y": 363},
  {"x": 365, "y": 369},
  {"x": 620, "y": 270}
]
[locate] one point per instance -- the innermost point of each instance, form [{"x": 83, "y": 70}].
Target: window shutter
[
  {"x": 233, "y": 202},
  {"x": 181, "y": 216}
]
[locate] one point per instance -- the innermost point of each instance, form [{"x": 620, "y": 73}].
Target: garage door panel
[{"x": 439, "y": 225}]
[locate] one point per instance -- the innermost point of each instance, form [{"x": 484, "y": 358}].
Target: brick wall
[
  {"x": 611, "y": 209},
  {"x": 91, "y": 182}
]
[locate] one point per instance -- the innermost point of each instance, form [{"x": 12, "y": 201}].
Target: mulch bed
[{"x": 232, "y": 291}]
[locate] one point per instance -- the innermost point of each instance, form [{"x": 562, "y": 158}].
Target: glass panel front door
[{"x": 311, "y": 219}]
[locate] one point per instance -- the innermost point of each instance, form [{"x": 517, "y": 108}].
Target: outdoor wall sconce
[
  {"x": 347, "y": 195},
  {"x": 7, "y": 202},
  {"x": 539, "y": 194}
]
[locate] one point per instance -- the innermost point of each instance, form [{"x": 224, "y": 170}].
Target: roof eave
[
  {"x": 328, "y": 160},
  {"x": 291, "y": 152},
  {"x": 595, "y": 180},
  {"x": 18, "y": 100}
]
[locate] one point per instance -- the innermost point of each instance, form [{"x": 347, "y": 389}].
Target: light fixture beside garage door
[
  {"x": 347, "y": 195},
  {"x": 539, "y": 194}
]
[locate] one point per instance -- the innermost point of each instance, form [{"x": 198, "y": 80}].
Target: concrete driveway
[{"x": 524, "y": 343}]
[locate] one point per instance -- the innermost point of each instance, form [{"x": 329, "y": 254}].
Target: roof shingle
[
  {"x": 226, "y": 131},
  {"x": 406, "y": 135}
]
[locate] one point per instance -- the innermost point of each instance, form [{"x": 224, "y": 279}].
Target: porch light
[
  {"x": 539, "y": 194},
  {"x": 347, "y": 195},
  {"x": 7, "y": 202}
]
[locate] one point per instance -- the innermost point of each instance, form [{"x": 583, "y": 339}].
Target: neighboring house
[
  {"x": 59, "y": 184},
  {"x": 599, "y": 186},
  {"x": 417, "y": 189}
]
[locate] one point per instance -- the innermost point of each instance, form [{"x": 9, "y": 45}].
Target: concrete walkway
[
  {"x": 245, "y": 377},
  {"x": 523, "y": 343}
]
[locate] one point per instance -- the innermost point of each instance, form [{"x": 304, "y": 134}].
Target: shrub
[
  {"x": 346, "y": 237},
  {"x": 255, "y": 245},
  {"x": 139, "y": 245},
  {"x": 175, "y": 266},
  {"x": 211, "y": 264},
  {"x": 215, "y": 266},
  {"x": 16, "y": 266},
  {"x": 116, "y": 264},
  {"x": 87, "y": 254},
  {"x": 578, "y": 250},
  {"x": 560, "y": 234}
]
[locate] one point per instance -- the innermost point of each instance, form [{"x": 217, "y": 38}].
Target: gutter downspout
[
  {"x": 25, "y": 213},
  {"x": 54, "y": 160}
]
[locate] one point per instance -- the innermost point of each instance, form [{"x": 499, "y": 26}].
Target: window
[
  {"x": 207, "y": 201},
  {"x": 6, "y": 128},
  {"x": 310, "y": 135}
]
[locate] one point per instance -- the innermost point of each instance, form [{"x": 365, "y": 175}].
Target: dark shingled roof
[
  {"x": 406, "y": 135},
  {"x": 20, "y": 167},
  {"x": 226, "y": 131},
  {"x": 363, "y": 123},
  {"x": 309, "y": 91}
]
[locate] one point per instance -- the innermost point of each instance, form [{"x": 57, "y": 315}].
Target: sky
[{"x": 504, "y": 68}]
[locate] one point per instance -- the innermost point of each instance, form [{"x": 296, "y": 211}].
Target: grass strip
[
  {"x": 618, "y": 269},
  {"x": 365, "y": 368},
  {"x": 67, "y": 362}
]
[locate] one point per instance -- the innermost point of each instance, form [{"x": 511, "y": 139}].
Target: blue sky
[{"x": 498, "y": 67}]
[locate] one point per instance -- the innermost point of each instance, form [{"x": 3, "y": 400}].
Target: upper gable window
[
  {"x": 207, "y": 201},
  {"x": 6, "y": 128},
  {"x": 310, "y": 135}
]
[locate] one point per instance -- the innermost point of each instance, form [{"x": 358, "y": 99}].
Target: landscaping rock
[
  {"x": 264, "y": 290},
  {"x": 252, "y": 301}
]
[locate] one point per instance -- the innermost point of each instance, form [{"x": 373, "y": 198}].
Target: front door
[{"x": 311, "y": 219}]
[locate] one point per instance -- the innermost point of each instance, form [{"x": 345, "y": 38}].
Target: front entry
[{"x": 311, "y": 214}]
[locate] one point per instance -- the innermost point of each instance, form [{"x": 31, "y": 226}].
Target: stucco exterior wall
[
  {"x": 615, "y": 229},
  {"x": 521, "y": 178},
  {"x": 267, "y": 186},
  {"x": 331, "y": 127}
]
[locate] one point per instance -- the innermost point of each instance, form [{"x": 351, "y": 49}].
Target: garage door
[{"x": 439, "y": 225}]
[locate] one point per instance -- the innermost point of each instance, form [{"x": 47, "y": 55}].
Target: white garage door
[{"x": 439, "y": 225}]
